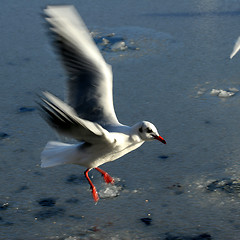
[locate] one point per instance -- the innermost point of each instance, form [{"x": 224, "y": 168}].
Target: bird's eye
[
  {"x": 149, "y": 130},
  {"x": 140, "y": 129}
]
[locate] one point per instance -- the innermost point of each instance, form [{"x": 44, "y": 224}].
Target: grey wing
[
  {"x": 90, "y": 77},
  {"x": 65, "y": 121}
]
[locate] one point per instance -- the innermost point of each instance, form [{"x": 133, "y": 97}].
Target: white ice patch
[
  {"x": 201, "y": 91},
  {"x": 223, "y": 93},
  {"x": 111, "y": 191},
  {"x": 119, "y": 46},
  {"x": 133, "y": 41}
]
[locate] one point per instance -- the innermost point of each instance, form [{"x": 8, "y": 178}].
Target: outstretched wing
[
  {"x": 90, "y": 77},
  {"x": 236, "y": 48},
  {"x": 65, "y": 121}
]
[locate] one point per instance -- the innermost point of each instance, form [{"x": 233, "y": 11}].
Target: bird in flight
[{"x": 88, "y": 114}]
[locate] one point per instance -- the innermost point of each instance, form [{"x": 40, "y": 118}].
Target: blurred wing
[
  {"x": 90, "y": 77},
  {"x": 64, "y": 120},
  {"x": 235, "y": 48}
]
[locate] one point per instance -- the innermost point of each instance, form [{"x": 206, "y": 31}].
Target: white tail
[{"x": 58, "y": 153}]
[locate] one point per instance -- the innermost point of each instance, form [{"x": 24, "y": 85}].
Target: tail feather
[{"x": 58, "y": 153}]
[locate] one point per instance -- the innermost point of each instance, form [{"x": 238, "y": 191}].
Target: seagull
[
  {"x": 88, "y": 114},
  {"x": 236, "y": 48}
]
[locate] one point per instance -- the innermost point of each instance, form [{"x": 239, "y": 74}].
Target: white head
[{"x": 147, "y": 131}]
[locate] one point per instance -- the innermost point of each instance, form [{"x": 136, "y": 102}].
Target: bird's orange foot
[
  {"x": 108, "y": 178},
  {"x": 95, "y": 194}
]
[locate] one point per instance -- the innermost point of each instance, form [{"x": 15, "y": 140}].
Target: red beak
[{"x": 159, "y": 138}]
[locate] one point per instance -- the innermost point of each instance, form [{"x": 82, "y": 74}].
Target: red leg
[
  {"x": 107, "y": 177},
  {"x": 94, "y": 191}
]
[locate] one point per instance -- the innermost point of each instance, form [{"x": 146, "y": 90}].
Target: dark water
[{"x": 178, "y": 51}]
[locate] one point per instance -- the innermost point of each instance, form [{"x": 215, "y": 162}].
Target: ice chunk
[
  {"x": 225, "y": 94},
  {"x": 111, "y": 191},
  {"x": 119, "y": 46},
  {"x": 105, "y": 41},
  {"x": 215, "y": 92},
  {"x": 233, "y": 89},
  {"x": 222, "y": 93},
  {"x": 201, "y": 91}
]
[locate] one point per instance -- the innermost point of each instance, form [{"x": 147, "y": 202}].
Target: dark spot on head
[
  {"x": 149, "y": 130},
  {"x": 140, "y": 129}
]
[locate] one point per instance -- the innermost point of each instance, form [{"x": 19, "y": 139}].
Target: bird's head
[{"x": 147, "y": 131}]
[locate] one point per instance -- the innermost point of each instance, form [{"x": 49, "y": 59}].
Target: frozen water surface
[{"x": 168, "y": 57}]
